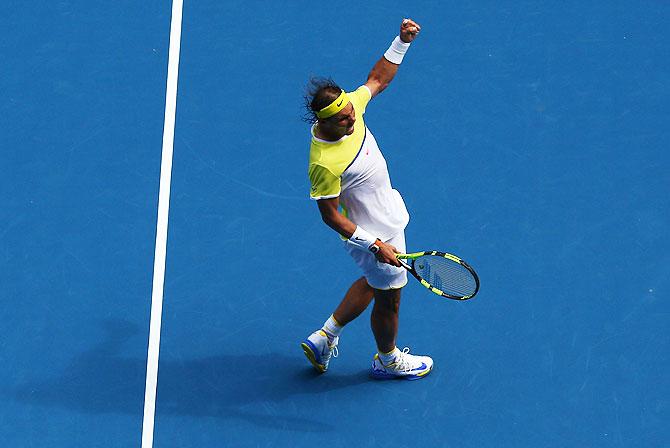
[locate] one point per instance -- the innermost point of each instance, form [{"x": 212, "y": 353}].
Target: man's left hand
[{"x": 409, "y": 30}]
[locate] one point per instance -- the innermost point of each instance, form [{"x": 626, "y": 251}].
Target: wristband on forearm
[
  {"x": 396, "y": 51},
  {"x": 363, "y": 239}
]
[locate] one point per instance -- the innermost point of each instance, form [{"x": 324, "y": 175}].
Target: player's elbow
[
  {"x": 328, "y": 218},
  {"x": 332, "y": 220},
  {"x": 382, "y": 87}
]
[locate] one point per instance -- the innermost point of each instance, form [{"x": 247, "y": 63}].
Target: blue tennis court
[{"x": 529, "y": 138}]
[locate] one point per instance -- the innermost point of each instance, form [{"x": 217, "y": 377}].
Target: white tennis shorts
[{"x": 379, "y": 275}]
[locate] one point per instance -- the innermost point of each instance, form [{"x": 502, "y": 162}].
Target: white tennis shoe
[
  {"x": 405, "y": 366},
  {"x": 318, "y": 350}
]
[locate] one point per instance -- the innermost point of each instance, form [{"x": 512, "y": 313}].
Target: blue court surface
[{"x": 529, "y": 138}]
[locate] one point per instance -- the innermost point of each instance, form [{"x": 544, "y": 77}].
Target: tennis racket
[{"x": 444, "y": 274}]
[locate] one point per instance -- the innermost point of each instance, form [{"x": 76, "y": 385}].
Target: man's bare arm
[
  {"x": 334, "y": 219},
  {"x": 384, "y": 71},
  {"x": 342, "y": 225}
]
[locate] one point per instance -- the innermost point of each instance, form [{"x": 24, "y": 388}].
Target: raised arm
[{"x": 387, "y": 66}]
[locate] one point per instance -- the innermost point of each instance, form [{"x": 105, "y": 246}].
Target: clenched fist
[{"x": 409, "y": 30}]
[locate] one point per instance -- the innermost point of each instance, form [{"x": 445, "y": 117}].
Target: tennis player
[{"x": 348, "y": 171}]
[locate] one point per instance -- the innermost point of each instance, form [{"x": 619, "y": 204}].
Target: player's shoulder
[
  {"x": 362, "y": 94},
  {"x": 362, "y": 90}
]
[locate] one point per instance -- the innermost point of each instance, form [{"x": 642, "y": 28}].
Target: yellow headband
[{"x": 334, "y": 107}]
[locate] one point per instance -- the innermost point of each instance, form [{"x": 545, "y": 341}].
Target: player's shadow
[{"x": 224, "y": 386}]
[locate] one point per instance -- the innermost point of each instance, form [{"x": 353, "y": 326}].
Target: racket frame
[{"x": 410, "y": 267}]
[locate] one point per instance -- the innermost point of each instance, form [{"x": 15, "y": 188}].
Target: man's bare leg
[
  {"x": 355, "y": 301},
  {"x": 321, "y": 345},
  {"x": 390, "y": 362},
  {"x": 384, "y": 318}
]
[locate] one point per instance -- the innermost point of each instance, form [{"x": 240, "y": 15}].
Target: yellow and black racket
[{"x": 444, "y": 274}]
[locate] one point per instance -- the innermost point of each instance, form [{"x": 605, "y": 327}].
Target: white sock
[
  {"x": 388, "y": 358},
  {"x": 332, "y": 328}
]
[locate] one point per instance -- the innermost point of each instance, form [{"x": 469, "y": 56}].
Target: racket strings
[{"x": 446, "y": 275}]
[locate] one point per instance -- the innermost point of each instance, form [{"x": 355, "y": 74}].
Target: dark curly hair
[{"x": 320, "y": 92}]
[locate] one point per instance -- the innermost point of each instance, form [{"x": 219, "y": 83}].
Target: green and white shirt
[{"x": 354, "y": 169}]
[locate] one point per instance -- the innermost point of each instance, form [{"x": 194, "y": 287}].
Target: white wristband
[
  {"x": 396, "y": 51},
  {"x": 362, "y": 238}
]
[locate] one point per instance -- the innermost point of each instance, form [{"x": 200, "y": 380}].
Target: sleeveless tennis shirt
[{"x": 354, "y": 169}]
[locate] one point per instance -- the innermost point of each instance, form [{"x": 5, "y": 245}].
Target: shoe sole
[
  {"x": 309, "y": 350},
  {"x": 390, "y": 376}
]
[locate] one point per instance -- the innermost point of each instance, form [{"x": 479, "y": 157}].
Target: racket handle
[{"x": 404, "y": 265}]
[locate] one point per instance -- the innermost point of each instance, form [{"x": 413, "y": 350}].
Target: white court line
[{"x": 162, "y": 227}]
